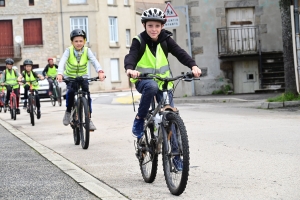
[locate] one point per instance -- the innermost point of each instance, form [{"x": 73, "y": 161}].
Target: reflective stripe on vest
[
  {"x": 158, "y": 65},
  {"x": 52, "y": 72},
  {"x": 11, "y": 78},
  {"x": 73, "y": 68},
  {"x": 35, "y": 84}
]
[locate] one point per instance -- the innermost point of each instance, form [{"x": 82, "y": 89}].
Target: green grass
[{"x": 289, "y": 96}]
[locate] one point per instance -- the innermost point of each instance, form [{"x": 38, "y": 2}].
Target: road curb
[
  {"x": 86, "y": 180},
  {"x": 271, "y": 105}
]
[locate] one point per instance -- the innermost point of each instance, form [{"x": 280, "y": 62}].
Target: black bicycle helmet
[
  {"x": 27, "y": 62},
  {"x": 9, "y": 61},
  {"x": 77, "y": 32},
  {"x": 153, "y": 14}
]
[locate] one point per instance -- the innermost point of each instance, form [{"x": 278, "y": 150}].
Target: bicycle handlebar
[
  {"x": 80, "y": 78},
  {"x": 189, "y": 76}
]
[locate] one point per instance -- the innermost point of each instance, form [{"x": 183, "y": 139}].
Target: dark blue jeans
[
  {"x": 71, "y": 93},
  {"x": 149, "y": 89}
]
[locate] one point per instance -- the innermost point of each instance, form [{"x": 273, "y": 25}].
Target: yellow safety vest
[
  {"x": 73, "y": 68},
  {"x": 158, "y": 65},
  {"x": 35, "y": 84},
  {"x": 52, "y": 72},
  {"x": 11, "y": 78}
]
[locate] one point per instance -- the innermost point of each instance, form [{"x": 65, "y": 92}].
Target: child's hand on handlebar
[
  {"x": 132, "y": 73},
  {"x": 101, "y": 76},
  {"x": 196, "y": 71}
]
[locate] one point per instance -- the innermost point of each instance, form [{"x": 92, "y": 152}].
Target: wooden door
[
  {"x": 241, "y": 34},
  {"x": 6, "y": 39}
]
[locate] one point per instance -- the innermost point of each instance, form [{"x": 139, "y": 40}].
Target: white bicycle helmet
[{"x": 153, "y": 14}]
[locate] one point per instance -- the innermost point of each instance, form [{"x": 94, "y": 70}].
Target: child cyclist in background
[
  {"x": 10, "y": 77},
  {"x": 30, "y": 75},
  {"x": 76, "y": 59},
  {"x": 153, "y": 60}
]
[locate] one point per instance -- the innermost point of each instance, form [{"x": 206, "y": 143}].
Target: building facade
[
  {"x": 237, "y": 44},
  {"x": 41, "y": 29}
]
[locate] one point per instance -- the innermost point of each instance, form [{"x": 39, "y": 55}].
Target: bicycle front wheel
[
  {"x": 31, "y": 110},
  {"x": 175, "y": 154},
  {"x": 59, "y": 96},
  {"x": 52, "y": 99},
  {"x": 148, "y": 156},
  {"x": 14, "y": 108},
  {"x": 84, "y": 122}
]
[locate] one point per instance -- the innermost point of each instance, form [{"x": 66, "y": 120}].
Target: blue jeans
[{"x": 149, "y": 89}]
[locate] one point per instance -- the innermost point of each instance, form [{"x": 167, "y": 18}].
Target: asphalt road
[{"x": 237, "y": 150}]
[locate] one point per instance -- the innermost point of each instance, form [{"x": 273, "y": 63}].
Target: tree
[{"x": 289, "y": 70}]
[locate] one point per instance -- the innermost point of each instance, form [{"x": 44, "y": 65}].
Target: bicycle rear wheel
[
  {"x": 175, "y": 143},
  {"x": 31, "y": 110},
  {"x": 84, "y": 122},
  {"x": 148, "y": 163}
]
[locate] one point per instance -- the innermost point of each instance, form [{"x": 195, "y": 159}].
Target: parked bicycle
[
  {"x": 2, "y": 100},
  {"x": 56, "y": 94},
  {"x": 80, "y": 112},
  {"x": 164, "y": 131}
]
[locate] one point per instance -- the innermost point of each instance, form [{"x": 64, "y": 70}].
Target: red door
[{"x": 6, "y": 39}]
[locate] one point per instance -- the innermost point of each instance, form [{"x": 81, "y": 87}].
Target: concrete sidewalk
[{"x": 29, "y": 170}]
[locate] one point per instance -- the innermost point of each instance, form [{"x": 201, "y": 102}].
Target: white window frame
[
  {"x": 111, "y": 2},
  {"x": 77, "y": 1},
  {"x": 126, "y": 2},
  {"x": 115, "y": 70},
  {"x": 113, "y": 29},
  {"x": 75, "y": 24},
  {"x": 128, "y": 38}
]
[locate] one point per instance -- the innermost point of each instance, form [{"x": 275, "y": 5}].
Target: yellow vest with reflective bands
[
  {"x": 35, "y": 84},
  {"x": 11, "y": 78},
  {"x": 52, "y": 72},
  {"x": 73, "y": 68},
  {"x": 158, "y": 65}
]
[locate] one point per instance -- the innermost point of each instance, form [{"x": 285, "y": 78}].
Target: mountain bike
[
  {"x": 80, "y": 112},
  {"x": 12, "y": 102},
  {"x": 56, "y": 95},
  {"x": 164, "y": 132},
  {"x": 2, "y": 100}
]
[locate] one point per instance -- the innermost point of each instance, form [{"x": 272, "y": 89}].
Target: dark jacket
[
  {"x": 47, "y": 67},
  {"x": 131, "y": 61}
]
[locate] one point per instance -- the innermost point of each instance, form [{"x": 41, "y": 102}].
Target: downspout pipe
[
  {"x": 295, "y": 46},
  {"x": 297, "y": 42},
  {"x": 62, "y": 27}
]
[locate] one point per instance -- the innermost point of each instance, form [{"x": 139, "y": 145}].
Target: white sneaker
[
  {"x": 66, "y": 120},
  {"x": 92, "y": 126}
]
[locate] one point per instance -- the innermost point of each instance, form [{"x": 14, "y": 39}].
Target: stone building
[
  {"x": 237, "y": 44},
  {"x": 41, "y": 29}
]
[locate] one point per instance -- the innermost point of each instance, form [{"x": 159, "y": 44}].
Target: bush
[{"x": 288, "y": 96}]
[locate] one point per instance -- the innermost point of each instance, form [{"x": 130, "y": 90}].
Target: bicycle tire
[
  {"x": 31, "y": 111},
  {"x": 59, "y": 96},
  {"x": 52, "y": 100},
  {"x": 5, "y": 109},
  {"x": 84, "y": 122},
  {"x": 11, "y": 113},
  {"x": 0, "y": 109},
  {"x": 176, "y": 180},
  {"x": 148, "y": 165},
  {"x": 14, "y": 108},
  {"x": 76, "y": 135}
]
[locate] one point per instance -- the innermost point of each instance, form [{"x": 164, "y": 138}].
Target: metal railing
[
  {"x": 10, "y": 51},
  {"x": 238, "y": 40}
]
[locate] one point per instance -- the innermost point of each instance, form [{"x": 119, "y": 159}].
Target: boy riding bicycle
[
  {"x": 50, "y": 73},
  {"x": 10, "y": 77},
  {"x": 153, "y": 60},
  {"x": 76, "y": 59},
  {"x": 30, "y": 75}
]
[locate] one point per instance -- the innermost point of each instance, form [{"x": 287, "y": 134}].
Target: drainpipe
[
  {"x": 296, "y": 42},
  {"x": 62, "y": 27}
]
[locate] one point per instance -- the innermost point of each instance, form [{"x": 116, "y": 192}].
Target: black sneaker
[{"x": 38, "y": 114}]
